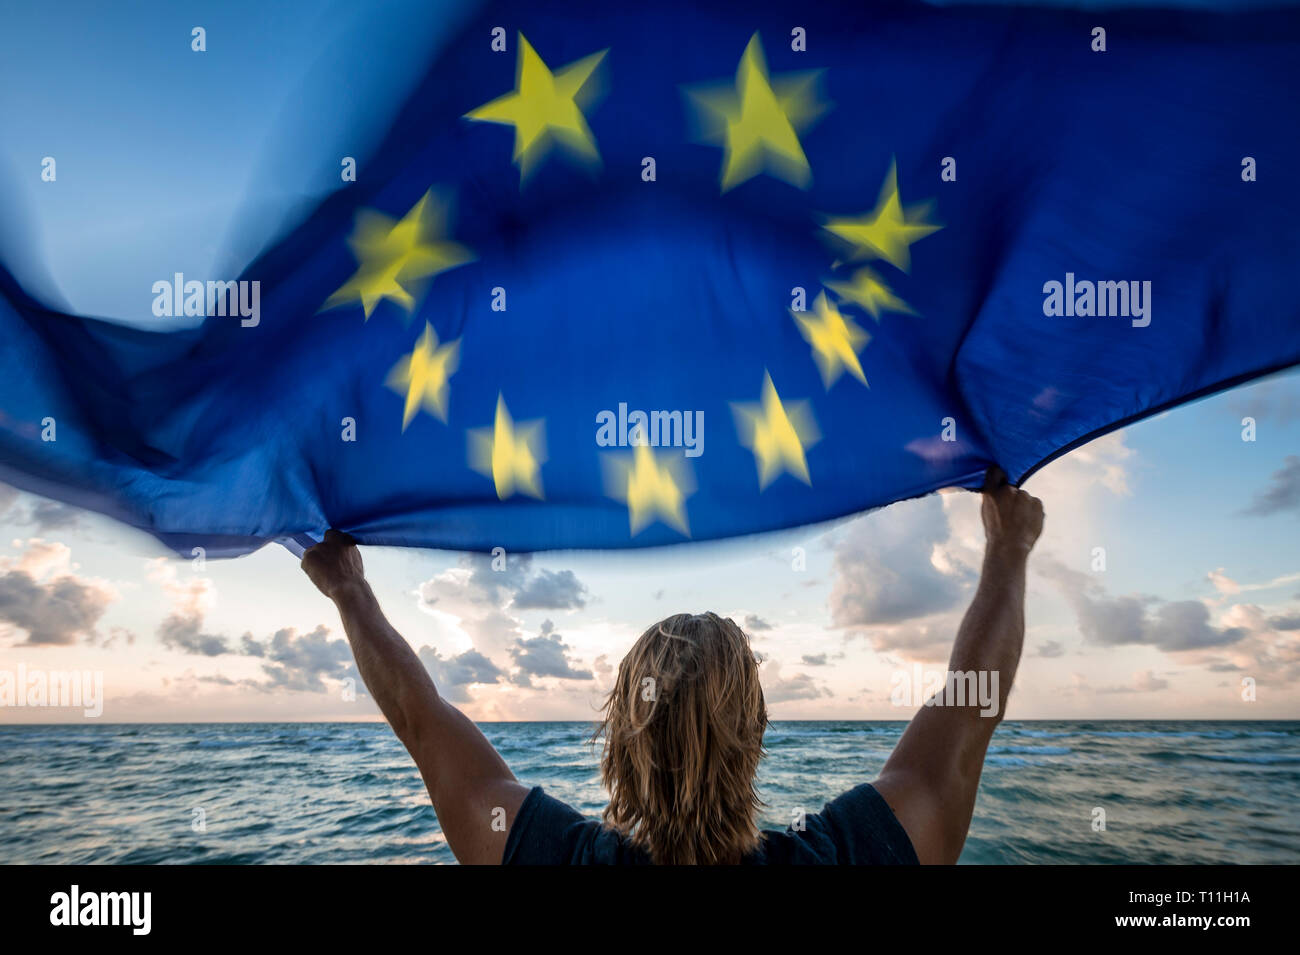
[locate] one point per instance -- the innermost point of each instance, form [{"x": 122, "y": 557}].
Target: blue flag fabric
[{"x": 682, "y": 270}]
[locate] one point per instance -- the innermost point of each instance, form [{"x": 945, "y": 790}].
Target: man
[{"x": 683, "y": 733}]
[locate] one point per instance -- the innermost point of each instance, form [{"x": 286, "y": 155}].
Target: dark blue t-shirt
[{"x": 857, "y": 828}]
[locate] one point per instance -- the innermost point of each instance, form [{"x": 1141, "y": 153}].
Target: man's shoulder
[
  {"x": 855, "y": 828},
  {"x": 548, "y": 831}
]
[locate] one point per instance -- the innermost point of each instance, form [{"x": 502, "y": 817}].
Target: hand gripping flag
[{"x": 638, "y": 274}]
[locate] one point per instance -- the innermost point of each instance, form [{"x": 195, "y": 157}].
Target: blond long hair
[{"x": 683, "y": 734}]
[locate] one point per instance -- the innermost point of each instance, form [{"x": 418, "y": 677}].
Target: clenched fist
[
  {"x": 1013, "y": 518},
  {"x": 334, "y": 564}
]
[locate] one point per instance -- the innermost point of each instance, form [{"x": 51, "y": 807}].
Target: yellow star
[
  {"x": 888, "y": 231},
  {"x": 835, "y": 339},
  {"x": 510, "y": 454},
  {"x": 393, "y": 254},
  {"x": 758, "y": 122},
  {"x": 546, "y": 108},
  {"x": 868, "y": 290},
  {"x": 653, "y": 489},
  {"x": 422, "y": 376},
  {"x": 777, "y": 433}
]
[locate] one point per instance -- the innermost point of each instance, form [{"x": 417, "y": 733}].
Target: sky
[{"x": 1199, "y": 587}]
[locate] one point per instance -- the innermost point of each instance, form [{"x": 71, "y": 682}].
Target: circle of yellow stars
[{"x": 757, "y": 120}]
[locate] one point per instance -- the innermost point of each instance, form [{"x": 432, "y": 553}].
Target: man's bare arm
[
  {"x": 931, "y": 778},
  {"x": 473, "y": 791}
]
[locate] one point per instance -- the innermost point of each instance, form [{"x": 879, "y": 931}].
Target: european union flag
[{"x": 626, "y": 275}]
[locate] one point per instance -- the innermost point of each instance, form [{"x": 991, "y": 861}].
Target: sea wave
[{"x": 348, "y": 793}]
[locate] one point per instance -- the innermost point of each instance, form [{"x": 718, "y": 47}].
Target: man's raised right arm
[{"x": 931, "y": 778}]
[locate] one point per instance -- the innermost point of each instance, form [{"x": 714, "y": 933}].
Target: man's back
[
  {"x": 857, "y": 828},
  {"x": 683, "y": 735}
]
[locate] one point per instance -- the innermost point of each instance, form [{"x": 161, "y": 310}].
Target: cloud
[
  {"x": 1144, "y": 681},
  {"x": 1078, "y": 686},
  {"x": 884, "y": 567},
  {"x": 50, "y": 515},
  {"x": 40, "y": 557},
  {"x": 778, "y": 689},
  {"x": 217, "y": 679},
  {"x": 485, "y": 603},
  {"x": 1229, "y": 587},
  {"x": 1147, "y": 681},
  {"x": 1185, "y": 625},
  {"x": 192, "y": 598},
  {"x": 184, "y": 632},
  {"x": 1283, "y": 492},
  {"x": 294, "y": 661},
  {"x": 754, "y": 622},
  {"x": 45, "y": 514},
  {"x": 550, "y": 590},
  {"x": 545, "y": 655},
  {"x": 516, "y": 585},
  {"x": 1077, "y": 490},
  {"x": 1269, "y": 652},
  {"x": 1050, "y": 649},
  {"x": 290, "y": 660},
  {"x": 453, "y": 674},
  {"x": 116, "y": 635},
  {"x": 923, "y": 640},
  {"x": 1101, "y": 463},
  {"x": 1285, "y": 622},
  {"x": 41, "y": 594},
  {"x": 56, "y": 613},
  {"x": 1130, "y": 619},
  {"x": 814, "y": 660},
  {"x": 1222, "y": 582}
]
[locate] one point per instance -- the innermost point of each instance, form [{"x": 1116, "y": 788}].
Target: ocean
[{"x": 1170, "y": 791}]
